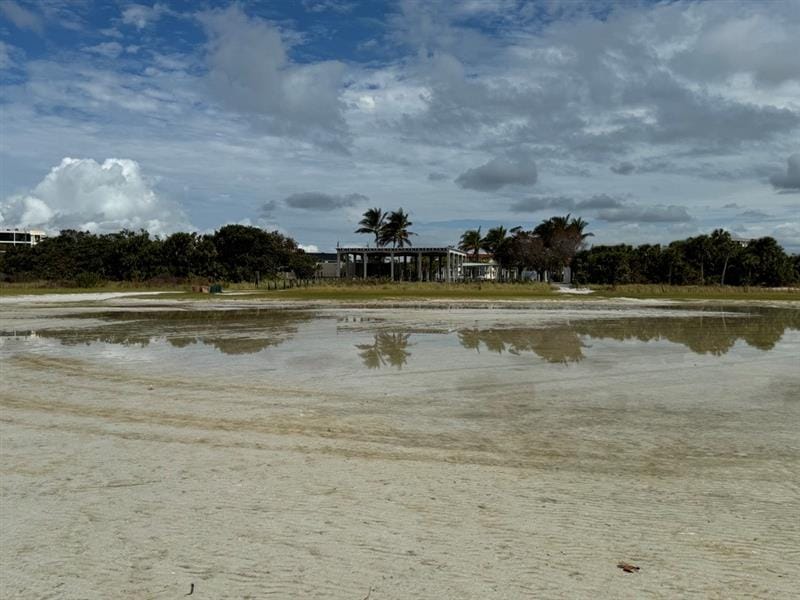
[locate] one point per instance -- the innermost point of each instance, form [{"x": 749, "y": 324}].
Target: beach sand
[{"x": 137, "y": 471}]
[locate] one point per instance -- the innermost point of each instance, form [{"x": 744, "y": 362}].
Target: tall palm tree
[
  {"x": 395, "y": 230},
  {"x": 576, "y": 226},
  {"x": 373, "y": 223},
  {"x": 471, "y": 241},
  {"x": 495, "y": 237}
]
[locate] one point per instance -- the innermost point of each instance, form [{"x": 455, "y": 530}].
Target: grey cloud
[
  {"x": 538, "y": 203},
  {"x": 623, "y": 168},
  {"x": 500, "y": 172},
  {"x": 641, "y": 214},
  {"x": 600, "y": 201},
  {"x": 436, "y": 176},
  {"x": 249, "y": 72},
  {"x": 791, "y": 179},
  {"x": 754, "y": 214},
  {"x": 732, "y": 205},
  {"x": 319, "y": 201}
]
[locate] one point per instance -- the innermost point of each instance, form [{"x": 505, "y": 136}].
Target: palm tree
[
  {"x": 471, "y": 242},
  {"x": 577, "y": 226},
  {"x": 373, "y": 223},
  {"x": 395, "y": 230},
  {"x": 495, "y": 238}
]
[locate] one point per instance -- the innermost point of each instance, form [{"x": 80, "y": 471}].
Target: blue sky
[{"x": 651, "y": 120}]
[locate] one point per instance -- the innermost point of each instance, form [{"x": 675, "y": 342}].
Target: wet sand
[{"x": 336, "y": 453}]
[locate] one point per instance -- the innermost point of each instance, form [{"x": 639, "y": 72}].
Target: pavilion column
[
  {"x": 338, "y": 264},
  {"x": 391, "y": 266},
  {"x": 419, "y": 266},
  {"x": 365, "y": 264},
  {"x": 448, "y": 273}
]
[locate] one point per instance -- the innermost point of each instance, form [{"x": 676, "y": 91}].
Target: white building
[{"x": 20, "y": 237}]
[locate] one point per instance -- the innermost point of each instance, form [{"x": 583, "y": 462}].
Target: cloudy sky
[{"x": 651, "y": 120}]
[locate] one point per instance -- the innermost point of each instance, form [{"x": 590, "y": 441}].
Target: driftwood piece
[{"x": 627, "y": 567}]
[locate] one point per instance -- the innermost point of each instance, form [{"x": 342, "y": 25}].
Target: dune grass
[
  {"x": 356, "y": 291},
  {"x": 695, "y": 292}
]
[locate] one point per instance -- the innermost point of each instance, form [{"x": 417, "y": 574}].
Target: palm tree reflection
[
  {"x": 387, "y": 349},
  {"x": 555, "y": 345}
]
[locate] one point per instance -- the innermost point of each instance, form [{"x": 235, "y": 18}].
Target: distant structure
[
  {"x": 20, "y": 237},
  {"x": 424, "y": 263},
  {"x": 742, "y": 241}
]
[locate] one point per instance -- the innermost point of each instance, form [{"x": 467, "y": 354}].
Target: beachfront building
[
  {"x": 424, "y": 263},
  {"x": 20, "y": 237},
  {"x": 481, "y": 270}
]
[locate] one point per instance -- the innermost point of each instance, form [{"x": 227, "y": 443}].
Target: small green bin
[{"x": 215, "y": 288}]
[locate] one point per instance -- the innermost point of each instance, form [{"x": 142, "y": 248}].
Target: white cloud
[
  {"x": 84, "y": 194},
  {"x": 308, "y": 247},
  {"x": 107, "y": 49},
  {"x": 140, "y": 16},
  {"x": 5, "y": 56},
  {"x": 21, "y": 17},
  {"x": 250, "y": 72}
]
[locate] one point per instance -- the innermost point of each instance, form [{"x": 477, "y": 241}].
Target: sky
[{"x": 653, "y": 121}]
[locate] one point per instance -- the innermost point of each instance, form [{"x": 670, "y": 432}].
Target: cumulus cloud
[
  {"x": 623, "y": 168},
  {"x": 644, "y": 214},
  {"x": 308, "y": 248},
  {"x": 81, "y": 193},
  {"x": 500, "y": 172},
  {"x": 599, "y": 201},
  {"x": 249, "y": 72},
  {"x": 21, "y": 17},
  {"x": 791, "y": 179}
]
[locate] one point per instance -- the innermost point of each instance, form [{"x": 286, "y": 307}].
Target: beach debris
[
  {"x": 369, "y": 593},
  {"x": 191, "y": 589},
  {"x": 627, "y": 567}
]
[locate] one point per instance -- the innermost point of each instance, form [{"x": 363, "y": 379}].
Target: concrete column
[
  {"x": 365, "y": 264},
  {"x": 448, "y": 275},
  {"x": 419, "y": 266},
  {"x": 338, "y": 264},
  {"x": 391, "y": 265}
]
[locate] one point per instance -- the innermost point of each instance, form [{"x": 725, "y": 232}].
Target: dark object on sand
[
  {"x": 627, "y": 567},
  {"x": 191, "y": 589}
]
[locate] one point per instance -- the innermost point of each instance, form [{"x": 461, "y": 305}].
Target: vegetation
[
  {"x": 233, "y": 253},
  {"x": 388, "y": 228},
  {"x": 702, "y": 260},
  {"x": 714, "y": 259}
]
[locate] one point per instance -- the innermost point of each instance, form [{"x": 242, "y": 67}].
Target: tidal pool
[{"x": 457, "y": 452}]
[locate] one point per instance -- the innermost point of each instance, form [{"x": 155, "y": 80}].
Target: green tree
[
  {"x": 471, "y": 241},
  {"x": 372, "y": 223}
]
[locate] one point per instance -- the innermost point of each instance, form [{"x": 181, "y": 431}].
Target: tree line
[
  {"x": 233, "y": 253},
  {"x": 560, "y": 242}
]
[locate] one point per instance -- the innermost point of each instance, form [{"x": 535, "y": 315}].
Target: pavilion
[{"x": 424, "y": 263}]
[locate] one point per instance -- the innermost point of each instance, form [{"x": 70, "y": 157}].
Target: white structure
[
  {"x": 20, "y": 237},
  {"x": 481, "y": 271},
  {"x": 426, "y": 263}
]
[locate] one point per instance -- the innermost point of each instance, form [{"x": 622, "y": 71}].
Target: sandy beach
[{"x": 370, "y": 452}]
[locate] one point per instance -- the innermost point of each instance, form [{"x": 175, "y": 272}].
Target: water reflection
[
  {"x": 554, "y": 344},
  {"x": 714, "y": 335},
  {"x": 228, "y": 331},
  {"x": 386, "y": 349}
]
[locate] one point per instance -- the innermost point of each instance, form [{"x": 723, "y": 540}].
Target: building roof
[{"x": 409, "y": 249}]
